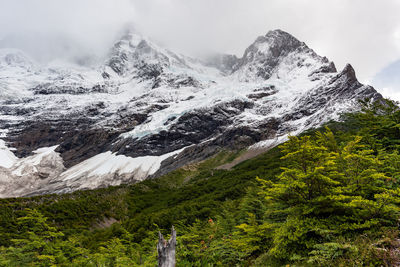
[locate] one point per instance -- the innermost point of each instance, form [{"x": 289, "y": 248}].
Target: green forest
[{"x": 329, "y": 197}]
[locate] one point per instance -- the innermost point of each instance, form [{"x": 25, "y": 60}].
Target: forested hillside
[{"x": 327, "y": 198}]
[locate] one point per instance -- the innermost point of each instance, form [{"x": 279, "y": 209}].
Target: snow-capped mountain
[{"x": 147, "y": 111}]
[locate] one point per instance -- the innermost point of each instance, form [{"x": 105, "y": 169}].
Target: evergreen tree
[{"x": 326, "y": 191}]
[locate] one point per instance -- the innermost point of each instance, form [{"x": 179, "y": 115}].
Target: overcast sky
[{"x": 365, "y": 33}]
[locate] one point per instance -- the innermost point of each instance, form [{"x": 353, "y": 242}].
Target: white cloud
[
  {"x": 387, "y": 81},
  {"x": 52, "y": 28},
  {"x": 362, "y": 32},
  {"x": 390, "y": 92}
]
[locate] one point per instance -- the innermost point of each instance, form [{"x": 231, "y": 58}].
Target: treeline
[{"x": 327, "y": 198}]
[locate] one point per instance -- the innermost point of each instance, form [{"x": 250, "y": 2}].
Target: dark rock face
[
  {"x": 30, "y": 135},
  {"x": 85, "y": 144},
  {"x": 191, "y": 128},
  {"x": 262, "y": 92},
  {"x": 148, "y": 72},
  {"x": 50, "y": 89},
  {"x": 78, "y": 138}
]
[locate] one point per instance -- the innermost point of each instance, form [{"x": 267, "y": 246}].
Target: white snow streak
[
  {"x": 7, "y": 158},
  {"x": 108, "y": 163}
]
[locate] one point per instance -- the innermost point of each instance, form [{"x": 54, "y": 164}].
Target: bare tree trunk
[{"x": 166, "y": 250}]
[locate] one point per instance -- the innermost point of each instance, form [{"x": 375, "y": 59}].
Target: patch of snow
[
  {"x": 26, "y": 175},
  {"x": 7, "y": 158},
  {"x": 29, "y": 164},
  {"x": 111, "y": 163},
  {"x": 269, "y": 143}
]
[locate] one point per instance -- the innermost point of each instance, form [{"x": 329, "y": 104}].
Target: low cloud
[
  {"x": 59, "y": 29},
  {"x": 387, "y": 81},
  {"x": 365, "y": 33}
]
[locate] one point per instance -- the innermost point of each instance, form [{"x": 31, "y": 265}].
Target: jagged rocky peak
[
  {"x": 345, "y": 85},
  {"x": 274, "y": 44},
  {"x": 346, "y": 78},
  {"x": 279, "y": 50},
  {"x": 133, "y": 51},
  {"x": 349, "y": 74},
  {"x": 138, "y": 58}
]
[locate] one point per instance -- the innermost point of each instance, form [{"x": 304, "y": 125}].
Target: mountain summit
[{"x": 147, "y": 111}]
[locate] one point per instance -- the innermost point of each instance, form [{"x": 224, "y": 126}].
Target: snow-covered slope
[{"x": 147, "y": 110}]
